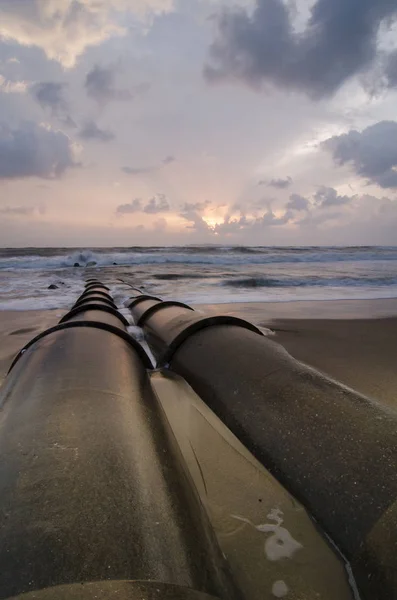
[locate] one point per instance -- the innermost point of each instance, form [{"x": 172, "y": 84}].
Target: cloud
[
  {"x": 100, "y": 85},
  {"x": 391, "y": 70},
  {"x": 50, "y": 94},
  {"x": 327, "y": 196},
  {"x": 191, "y": 213},
  {"x": 64, "y": 29},
  {"x": 269, "y": 218},
  {"x": 157, "y": 204},
  {"x": 262, "y": 47},
  {"x": 148, "y": 168},
  {"x": 297, "y": 202},
  {"x": 34, "y": 151},
  {"x": 232, "y": 226},
  {"x": 132, "y": 207},
  {"x": 195, "y": 206},
  {"x": 17, "y": 211},
  {"x": 280, "y": 184},
  {"x": 13, "y": 87},
  {"x": 91, "y": 131},
  {"x": 253, "y": 224},
  {"x": 138, "y": 170},
  {"x": 318, "y": 218},
  {"x": 372, "y": 153}
]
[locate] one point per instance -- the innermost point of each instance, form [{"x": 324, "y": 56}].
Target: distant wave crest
[{"x": 201, "y": 255}]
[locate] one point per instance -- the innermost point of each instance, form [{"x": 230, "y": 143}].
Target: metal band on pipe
[
  {"x": 90, "y": 324},
  {"x": 97, "y": 292},
  {"x": 95, "y": 299},
  {"x": 137, "y": 299},
  {"x": 88, "y": 307},
  {"x": 96, "y": 284},
  {"x": 156, "y": 307}
]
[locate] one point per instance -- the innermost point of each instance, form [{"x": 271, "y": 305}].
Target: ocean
[{"x": 198, "y": 274}]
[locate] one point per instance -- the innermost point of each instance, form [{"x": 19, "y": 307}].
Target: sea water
[{"x": 198, "y": 274}]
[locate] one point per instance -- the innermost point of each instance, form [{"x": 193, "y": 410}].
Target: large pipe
[
  {"x": 93, "y": 487},
  {"x": 168, "y": 324},
  {"x": 96, "y": 300},
  {"x": 120, "y": 590},
  {"x": 334, "y": 449}
]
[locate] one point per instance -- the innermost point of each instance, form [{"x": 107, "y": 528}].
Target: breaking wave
[{"x": 288, "y": 282}]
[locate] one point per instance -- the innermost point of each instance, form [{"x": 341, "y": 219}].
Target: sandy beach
[{"x": 354, "y": 342}]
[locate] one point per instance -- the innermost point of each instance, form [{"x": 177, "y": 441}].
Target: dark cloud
[
  {"x": 372, "y": 153},
  {"x": 168, "y": 160},
  {"x": 391, "y": 70},
  {"x": 297, "y": 202},
  {"x": 68, "y": 121},
  {"x": 230, "y": 226},
  {"x": 132, "y": 207},
  {"x": 50, "y": 94},
  {"x": 327, "y": 196},
  {"x": 138, "y": 170},
  {"x": 34, "y": 151},
  {"x": 91, "y": 131},
  {"x": 243, "y": 223},
  {"x": 191, "y": 213},
  {"x": 100, "y": 85},
  {"x": 269, "y": 218},
  {"x": 157, "y": 204},
  {"x": 195, "y": 206},
  {"x": 280, "y": 184},
  {"x": 259, "y": 48}
]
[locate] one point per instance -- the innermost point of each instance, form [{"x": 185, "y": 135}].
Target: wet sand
[
  {"x": 359, "y": 353},
  {"x": 354, "y": 342}
]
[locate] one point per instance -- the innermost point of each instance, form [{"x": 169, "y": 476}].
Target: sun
[{"x": 211, "y": 221}]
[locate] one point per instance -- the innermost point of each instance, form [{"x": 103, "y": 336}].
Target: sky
[{"x": 174, "y": 122}]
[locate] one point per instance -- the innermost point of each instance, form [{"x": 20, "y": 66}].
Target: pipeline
[
  {"x": 332, "y": 448},
  {"x": 95, "y": 497}
]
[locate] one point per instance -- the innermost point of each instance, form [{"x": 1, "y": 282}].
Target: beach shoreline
[
  {"x": 268, "y": 311},
  {"x": 352, "y": 341}
]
